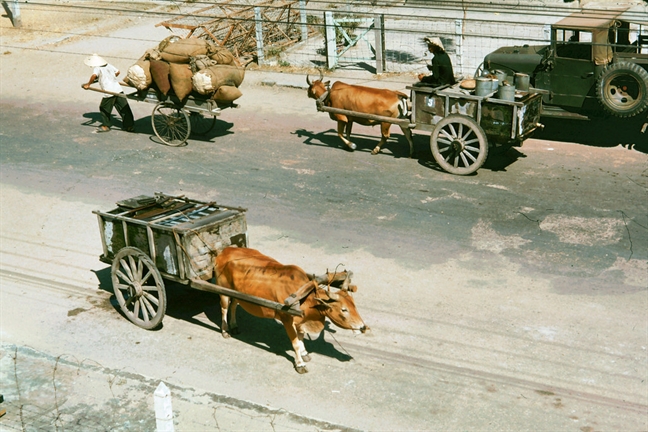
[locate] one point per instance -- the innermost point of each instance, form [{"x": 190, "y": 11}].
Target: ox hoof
[
  {"x": 225, "y": 335},
  {"x": 375, "y": 151},
  {"x": 306, "y": 357},
  {"x": 352, "y": 147},
  {"x": 301, "y": 369}
]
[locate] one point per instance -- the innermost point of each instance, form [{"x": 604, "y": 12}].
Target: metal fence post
[
  {"x": 331, "y": 42},
  {"x": 259, "y": 35},
  {"x": 13, "y": 12},
  {"x": 163, "y": 409},
  {"x": 379, "y": 32},
  {"x": 459, "y": 44},
  {"x": 304, "y": 20},
  {"x": 16, "y": 20}
]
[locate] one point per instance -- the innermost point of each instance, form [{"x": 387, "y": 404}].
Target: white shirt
[{"x": 108, "y": 79}]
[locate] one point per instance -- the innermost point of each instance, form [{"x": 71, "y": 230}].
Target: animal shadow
[
  {"x": 185, "y": 303},
  {"x": 396, "y": 145},
  {"x": 270, "y": 335}
]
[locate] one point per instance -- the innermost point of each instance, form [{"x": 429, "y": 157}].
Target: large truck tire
[{"x": 622, "y": 89}]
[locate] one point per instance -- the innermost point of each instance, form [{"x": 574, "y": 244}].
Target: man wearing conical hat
[
  {"x": 107, "y": 75},
  {"x": 441, "y": 67}
]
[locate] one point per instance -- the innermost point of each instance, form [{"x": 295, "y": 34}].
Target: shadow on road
[
  {"x": 608, "y": 132},
  {"x": 398, "y": 148},
  {"x": 185, "y": 303},
  {"x": 144, "y": 126},
  {"x": 396, "y": 145}
]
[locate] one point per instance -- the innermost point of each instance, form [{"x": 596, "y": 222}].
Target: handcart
[
  {"x": 462, "y": 125},
  {"x": 174, "y": 120},
  {"x": 150, "y": 239}
]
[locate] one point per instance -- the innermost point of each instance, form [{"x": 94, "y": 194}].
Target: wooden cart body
[
  {"x": 503, "y": 121},
  {"x": 149, "y": 239},
  {"x": 463, "y": 125},
  {"x": 174, "y": 120},
  {"x": 181, "y": 238},
  {"x": 193, "y": 103}
]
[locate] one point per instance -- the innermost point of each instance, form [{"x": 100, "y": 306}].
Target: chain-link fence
[{"x": 365, "y": 35}]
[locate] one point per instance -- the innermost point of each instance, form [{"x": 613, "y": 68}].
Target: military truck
[{"x": 595, "y": 65}]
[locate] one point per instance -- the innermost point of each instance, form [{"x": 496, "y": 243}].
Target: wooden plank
[
  {"x": 210, "y": 287},
  {"x": 393, "y": 120}
]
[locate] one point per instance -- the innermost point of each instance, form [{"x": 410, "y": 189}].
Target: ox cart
[
  {"x": 150, "y": 239},
  {"x": 463, "y": 125},
  {"x": 174, "y": 120}
]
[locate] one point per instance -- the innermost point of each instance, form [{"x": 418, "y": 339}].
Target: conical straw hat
[
  {"x": 434, "y": 41},
  {"x": 94, "y": 60}
]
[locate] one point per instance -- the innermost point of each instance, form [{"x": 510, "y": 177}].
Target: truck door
[{"x": 574, "y": 71}]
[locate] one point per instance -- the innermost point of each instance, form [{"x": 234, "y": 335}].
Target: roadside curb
[{"x": 44, "y": 391}]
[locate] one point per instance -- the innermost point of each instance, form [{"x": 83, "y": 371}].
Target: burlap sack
[
  {"x": 180, "y": 79},
  {"x": 139, "y": 74},
  {"x": 221, "y": 55},
  {"x": 152, "y": 54},
  {"x": 160, "y": 75},
  {"x": 209, "y": 80},
  {"x": 180, "y": 50},
  {"x": 227, "y": 94},
  {"x": 166, "y": 41},
  {"x": 201, "y": 62}
]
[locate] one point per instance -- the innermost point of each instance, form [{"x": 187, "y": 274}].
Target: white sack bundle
[
  {"x": 139, "y": 75},
  {"x": 207, "y": 81}
]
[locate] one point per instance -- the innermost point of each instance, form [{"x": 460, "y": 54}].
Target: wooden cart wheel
[
  {"x": 459, "y": 145},
  {"x": 139, "y": 288},
  {"x": 171, "y": 124},
  {"x": 200, "y": 124}
]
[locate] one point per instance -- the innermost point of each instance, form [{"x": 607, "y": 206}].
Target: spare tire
[{"x": 622, "y": 89}]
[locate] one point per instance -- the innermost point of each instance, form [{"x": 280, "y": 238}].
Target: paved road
[{"x": 505, "y": 300}]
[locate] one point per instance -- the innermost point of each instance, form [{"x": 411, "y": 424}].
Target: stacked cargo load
[{"x": 188, "y": 65}]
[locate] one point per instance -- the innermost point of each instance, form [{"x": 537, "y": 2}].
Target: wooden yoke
[
  {"x": 325, "y": 280},
  {"x": 328, "y": 278},
  {"x": 302, "y": 292}
]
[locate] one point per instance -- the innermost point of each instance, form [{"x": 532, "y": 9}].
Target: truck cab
[{"x": 596, "y": 64}]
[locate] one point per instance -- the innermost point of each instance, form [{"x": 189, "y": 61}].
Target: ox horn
[
  {"x": 308, "y": 81},
  {"x": 333, "y": 296}
]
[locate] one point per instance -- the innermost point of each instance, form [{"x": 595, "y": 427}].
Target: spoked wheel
[
  {"x": 200, "y": 124},
  {"x": 459, "y": 144},
  {"x": 171, "y": 124},
  {"x": 139, "y": 288}
]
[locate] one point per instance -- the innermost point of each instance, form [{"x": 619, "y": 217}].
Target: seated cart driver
[{"x": 441, "y": 66}]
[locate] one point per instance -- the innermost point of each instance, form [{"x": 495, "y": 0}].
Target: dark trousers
[{"x": 121, "y": 103}]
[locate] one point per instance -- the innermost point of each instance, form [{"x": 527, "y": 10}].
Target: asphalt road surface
[{"x": 511, "y": 299}]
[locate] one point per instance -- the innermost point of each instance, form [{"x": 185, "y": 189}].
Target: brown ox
[
  {"x": 249, "y": 271},
  {"x": 367, "y": 100}
]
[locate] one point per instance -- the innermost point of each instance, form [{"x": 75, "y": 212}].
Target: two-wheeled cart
[
  {"x": 462, "y": 125},
  {"x": 150, "y": 239},
  {"x": 174, "y": 120}
]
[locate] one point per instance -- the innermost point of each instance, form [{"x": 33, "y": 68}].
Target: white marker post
[{"x": 163, "y": 409}]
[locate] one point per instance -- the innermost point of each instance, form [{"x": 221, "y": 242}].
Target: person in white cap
[
  {"x": 441, "y": 67},
  {"x": 107, "y": 75}
]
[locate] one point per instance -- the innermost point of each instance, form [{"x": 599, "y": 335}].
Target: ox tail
[{"x": 404, "y": 105}]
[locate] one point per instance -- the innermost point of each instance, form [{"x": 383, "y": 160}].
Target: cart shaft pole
[{"x": 210, "y": 287}]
